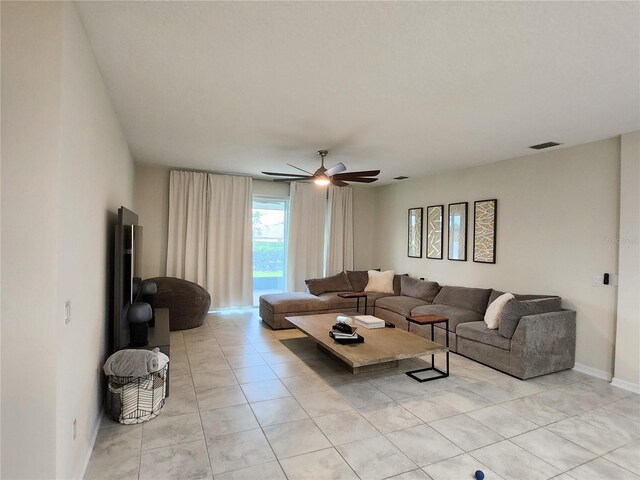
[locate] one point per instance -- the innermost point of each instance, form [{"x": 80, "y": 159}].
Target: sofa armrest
[{"x": 546, "y": 342}]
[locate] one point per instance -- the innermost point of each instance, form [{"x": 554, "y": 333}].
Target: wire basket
[{"x": 134, "y": 400}]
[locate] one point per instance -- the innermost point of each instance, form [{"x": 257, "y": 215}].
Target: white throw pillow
[
  {"x": 492, "y": 315},
  {"x": 381, "y": 282}
]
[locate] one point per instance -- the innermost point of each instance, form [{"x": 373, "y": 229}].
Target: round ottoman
[{"x": 188, "y": 302}]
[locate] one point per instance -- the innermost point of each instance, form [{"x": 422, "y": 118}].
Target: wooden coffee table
[{"x": 382, "y": 347}]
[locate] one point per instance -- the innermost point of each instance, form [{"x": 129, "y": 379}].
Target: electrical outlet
[
  {"x": 74, "y": 429},
  {"x": 67, "y": 311}
]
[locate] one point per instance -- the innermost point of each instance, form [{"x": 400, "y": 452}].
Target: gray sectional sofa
[
  {"x": 321, "y": 298},
  {"x": 540, "y": 339}
]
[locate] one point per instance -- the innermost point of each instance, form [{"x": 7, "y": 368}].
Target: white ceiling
[{"x": 407, "y": 87}]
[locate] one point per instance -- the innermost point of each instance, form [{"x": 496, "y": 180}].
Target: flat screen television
[{"x": 126, "y": 281}]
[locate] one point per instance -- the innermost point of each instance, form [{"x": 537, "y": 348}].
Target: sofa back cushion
[
  {"x": 522, "y": 297},
  {"x": 359, "y": 279},
  {"x": 397, "y": 287},
  {"x": 335, "y": 283},
  {"x": 416, "y": 288},
  {"x": 474, "y": 299},
  {"x": 513, "y": 310}
]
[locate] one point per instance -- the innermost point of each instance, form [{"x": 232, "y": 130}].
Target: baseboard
[
  {"x": 623, "y": 384},
  {"x": 94, "y": 437},
  {"x": 594, "y": 372}
]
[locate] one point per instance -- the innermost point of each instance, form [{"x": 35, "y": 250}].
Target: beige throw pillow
[
  {"x": 492, "y": 315},
  {"x": 381, "y": 282}
]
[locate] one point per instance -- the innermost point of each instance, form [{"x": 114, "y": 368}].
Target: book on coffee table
[
  {"x": 369, "y": 321},
  {"x": 345, "y": 338},
  {"x": 339, "y": 334}
]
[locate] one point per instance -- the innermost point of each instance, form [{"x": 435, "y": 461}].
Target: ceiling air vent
[
  {"x": 401, "y": 177},
  {"x": 541, "y": 146}
]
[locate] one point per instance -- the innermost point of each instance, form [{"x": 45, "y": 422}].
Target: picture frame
[
  {"x": 485, "y": 221},
  {"x": 414, "y": 233},
  {"x": 435, "y": 232},
  {"x": 458, "y": 214}
]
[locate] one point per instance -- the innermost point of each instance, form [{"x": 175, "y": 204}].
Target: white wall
[
  {"x": 557, "y": 217},
  {"x": 31, "y": 57},
  {"x": 364, "y": 211},
  {"x": 627, "y": 359},
  {"x": 67, "y": 168},
  {"x": 96, "y": 178},
  {"x": 151, "y": 203}
]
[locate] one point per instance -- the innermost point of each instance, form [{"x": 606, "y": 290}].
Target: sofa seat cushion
[
  {"x": 479, "y": 332},
  {"x": 455, "y": 315},
  {"x": 373, "y": 297},
  {"x": 402, "y": 305},
  {"x": 474, "y": 299},
  {"x": 332, "y": 300},
  {"x": 292, "y": 302}
]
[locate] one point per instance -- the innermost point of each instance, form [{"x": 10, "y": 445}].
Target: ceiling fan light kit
[
  {"x": 322, "y": 181},
  {"x": 323, "y": 176}
]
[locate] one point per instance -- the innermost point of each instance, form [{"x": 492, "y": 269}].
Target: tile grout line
[
  {"x": 260, "y": 427},
  {"x": 248, "y": 338}
]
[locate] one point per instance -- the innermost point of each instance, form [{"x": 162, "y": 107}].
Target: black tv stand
[{"x": 159, "y": 336}]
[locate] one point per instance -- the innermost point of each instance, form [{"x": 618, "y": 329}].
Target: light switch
[{"x": 598, "y": 281}]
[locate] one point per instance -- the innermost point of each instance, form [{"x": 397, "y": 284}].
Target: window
[{"x": 270, "y": 228}]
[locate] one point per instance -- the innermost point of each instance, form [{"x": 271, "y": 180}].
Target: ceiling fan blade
[
  {"x": 339, "y": 183},
  {"x": 301, "y": 169},
  {"x": 335, "y": 169},
  {"x": 301, "y": 177},
  {"x": 357, "y": 179},
  {"x": 276, "y": 174},
  {"x": 367, "y": 173}
]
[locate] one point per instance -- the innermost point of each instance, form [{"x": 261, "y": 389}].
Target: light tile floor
[{"x": 250, "y": 403}]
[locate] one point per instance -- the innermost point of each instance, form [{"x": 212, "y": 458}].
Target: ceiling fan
[{"x": 335, "y": 175}]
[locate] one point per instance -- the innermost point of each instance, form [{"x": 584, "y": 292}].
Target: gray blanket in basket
[{"x": 133, "y": 363}]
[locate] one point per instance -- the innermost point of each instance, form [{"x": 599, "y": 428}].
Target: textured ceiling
[{"x": 407, "y": 87}]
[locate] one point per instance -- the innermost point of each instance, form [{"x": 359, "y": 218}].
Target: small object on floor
[
  {"x": 389, "y": 325},
  {"x": 479, "y": 475}
]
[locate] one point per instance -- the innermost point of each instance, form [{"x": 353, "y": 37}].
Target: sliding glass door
[{"x": 270, "y": 225}]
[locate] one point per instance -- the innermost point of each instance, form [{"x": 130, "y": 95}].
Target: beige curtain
[
  {"x": 209, "y": 238},
  {"x": 339, "y": 239},
  {"x": 305, "y": 257}
]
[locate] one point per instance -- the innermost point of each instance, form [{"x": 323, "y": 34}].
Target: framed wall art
[
  {"x": 485, "y": 216},
  {"x": 414, "y": 241},
  {"x": 435, "y": 215},
  {"x": 457, "y": 238}
]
